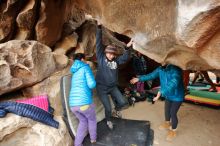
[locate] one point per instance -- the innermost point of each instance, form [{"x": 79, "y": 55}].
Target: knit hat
[{"x": 111, "y": 49}]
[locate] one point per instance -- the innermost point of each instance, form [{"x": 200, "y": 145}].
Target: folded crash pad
[
  {"x": 204, "y": 88},
  {"x": 68, "y": 117},
  {"x": 205, "y": 94},
  {"x": 206, "y": 97},
  {"x": 198, "y": 99}
]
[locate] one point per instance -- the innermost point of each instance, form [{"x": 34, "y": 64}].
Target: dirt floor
[{"x": 198, "y": 125}]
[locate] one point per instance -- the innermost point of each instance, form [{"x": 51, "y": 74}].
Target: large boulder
[
  {"x": 52, "y": 17},
  {"x": 24, "y": 63},
  {"x": 21, "y": 131},
  {"x": 8, "y": 12},
  {"x": 181, "y": 32},
  {"x": 26, "y": 20},
  {"x": 87, "y": 39},
  {"x": 66, "y": 44}
]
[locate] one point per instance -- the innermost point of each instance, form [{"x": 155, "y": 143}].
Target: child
[
  {"x": 107, "y": 75},
  {"x": 80, "y": 99},
  {"x": 172, "y": 88}
]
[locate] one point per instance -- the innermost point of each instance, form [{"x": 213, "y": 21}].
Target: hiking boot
[
  {"x": 171, "y": 135},
  {"x": 165, "y": 125},
  {"x": 110, "y": 125}
]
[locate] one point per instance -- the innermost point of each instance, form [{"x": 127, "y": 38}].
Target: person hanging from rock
[
  {"x": 80, "y": 99},
  {"x": 172, "y": 89},
  {"x": 107, "y": 76}
]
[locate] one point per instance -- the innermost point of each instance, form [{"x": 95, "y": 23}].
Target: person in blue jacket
[
  {"x": 172, "y": 88},
  {"x": 80, "y": 99},
  {"x": 107, "y": 75}
]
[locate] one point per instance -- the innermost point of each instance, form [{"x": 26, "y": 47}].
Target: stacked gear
[{"x": 133, "y": 95}]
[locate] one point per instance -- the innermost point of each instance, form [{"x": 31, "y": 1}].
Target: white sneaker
[{"x": 110, "y": 125}]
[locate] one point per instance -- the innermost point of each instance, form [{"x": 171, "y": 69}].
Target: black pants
[
  {"x": 171, "y": 109},
  {"x": 118, "y": 99},
  {"x": 217, "y": 79}
]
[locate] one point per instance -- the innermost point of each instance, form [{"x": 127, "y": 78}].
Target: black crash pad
[{"x": 125, "y": 133}]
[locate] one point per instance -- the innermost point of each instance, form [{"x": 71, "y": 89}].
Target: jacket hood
[{"x": 77, "y": 65}]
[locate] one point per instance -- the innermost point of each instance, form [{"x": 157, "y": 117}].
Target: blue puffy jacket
[
  {"x": 171, "y": 82},
  {"x": 82, "y": 83}
]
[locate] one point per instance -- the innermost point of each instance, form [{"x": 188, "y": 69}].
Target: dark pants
[
  {"x": 118, "y": 99},
  {"x": 171, "y": 109},
  {"x": 217, "y": 79}
]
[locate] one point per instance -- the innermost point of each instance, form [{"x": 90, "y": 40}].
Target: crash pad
[
  {"x": 198, "y": 99},
  {"x": 204, "y": 88},
  {"x": 125, "y": 133},
  {"x": 205, "y": 94},
  {"x": 204, "y": 97}
]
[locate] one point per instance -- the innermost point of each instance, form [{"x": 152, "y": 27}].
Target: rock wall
[
  {"x": 24, "y": 63},
  {"x": 19, "y": 131},
  {"x": 181, "y": 32},
  {"x": 37, "y": 38}
]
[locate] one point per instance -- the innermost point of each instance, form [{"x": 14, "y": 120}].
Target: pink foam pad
[{"x": 40, "y": 101}]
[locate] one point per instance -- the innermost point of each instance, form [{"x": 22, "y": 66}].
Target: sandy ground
[{"x": 198, "y": 125}]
